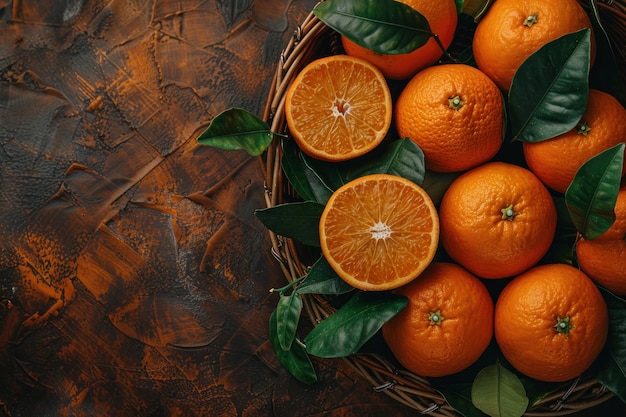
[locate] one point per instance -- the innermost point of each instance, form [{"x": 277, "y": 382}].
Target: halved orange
[
  {"x": 338, "y": 108},
  {"x": 379, "y": 231}
]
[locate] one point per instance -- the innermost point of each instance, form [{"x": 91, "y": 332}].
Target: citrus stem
[
  {"x": 563, "y": 326},
  {"x": 508, "y": 213},
  {"x": 584, "y": 129},
  {"x": 435, "y": 318},
  {"x": 530, "y": 20},
  {"x": 455, "y": 103}
]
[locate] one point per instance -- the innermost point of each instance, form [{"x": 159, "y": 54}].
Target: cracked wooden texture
[{"x": 134, "y": 276}]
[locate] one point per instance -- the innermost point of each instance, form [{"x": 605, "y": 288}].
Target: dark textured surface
[{"x": 134, "y": 276}]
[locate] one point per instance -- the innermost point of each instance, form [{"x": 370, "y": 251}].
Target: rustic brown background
[{"x": 134, "y": 276}]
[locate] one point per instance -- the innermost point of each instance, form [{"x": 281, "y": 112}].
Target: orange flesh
[
  {"x": 338, "y": 108},
  {"x": 379, "y": 232}
]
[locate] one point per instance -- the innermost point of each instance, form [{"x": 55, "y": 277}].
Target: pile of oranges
[{"x": 496, "y": 220}]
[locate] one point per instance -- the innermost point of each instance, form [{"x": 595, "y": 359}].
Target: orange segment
[
  {"x": 338, "y": 108},
  {"x": 379, "y": 232}
]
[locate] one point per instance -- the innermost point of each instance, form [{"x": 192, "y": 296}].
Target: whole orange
[
  {"x": 447, "y": 324},
  {"x": 454, "y": 112},
  {"x": 442, "y": 19},
  {"x": 604, "y": 258},
  {"x": 512, "y": 30},
  {"x": 555, "y": 161},
  {"x": 497, "y": 220},
  {"x": 551, "y": 322}
]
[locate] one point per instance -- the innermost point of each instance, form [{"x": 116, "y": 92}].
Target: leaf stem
[
  {"x": 443, "y": 48},
  {"x": 282, "y": 290}
]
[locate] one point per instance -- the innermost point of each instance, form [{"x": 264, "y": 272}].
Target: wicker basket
[{"x": 311, "y": 39}]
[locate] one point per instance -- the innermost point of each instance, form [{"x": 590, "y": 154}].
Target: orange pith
[
  {"x": 555, "y": 161},
  {"x": 454, "y": 112},
  {"x": 512, "y": 30},
  {"x": 442, "y": 18},
  {"x": 379, "y": 231},
  {"x": 551, "y": 322},
  {"x": 497, "y": 220},
  {"x": 447, "y": 324},
  {"x": 338, "y": 108}
]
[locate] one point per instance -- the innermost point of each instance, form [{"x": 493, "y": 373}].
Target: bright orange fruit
[
  {"x": 442, "y": 18},
  {"x": 338, "y": 108},
  {"x": 497, "y": 220},
  {"x": 512, "y": 30},
  {"x": 447, "y": 324},
  {"x": 379, "y": 231},
  {"x": 555, "y": 161},
  {"x": 551, "y": 322},
  {"x": 604, "y": 258},
  {"x": 454, "y": 113}
]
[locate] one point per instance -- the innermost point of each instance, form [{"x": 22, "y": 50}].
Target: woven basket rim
[{"x": 404, "y": 386}]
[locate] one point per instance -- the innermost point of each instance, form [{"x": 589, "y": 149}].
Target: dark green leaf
[
  {"x": 498, "y": 392},
  {"x": 401, "y": 157},
  {"x": 613, "y": 375},
  {"x": 295, "y": 360},
  {"x": 299, "y": 221},
  {"x": 324, "y": 176},
  {"x": 384, "y": 26},
  {"x": 591, "y": 196},
  {"x": 287, "y": 317},
  {"x": 347, "y": 329},
  {"x": 548, "y": 95},
  {"x": 235, "y": 129},
  {"x": 306, "y": 183},
  {"x": 322, "y": 279},
  {"x": 460, "y": 398},
  {"x": 537, "y": 391},
  {"x": 436, "y": 184},
  {"x": 317, "y": 180}
]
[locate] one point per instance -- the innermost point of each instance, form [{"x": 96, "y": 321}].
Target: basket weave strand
[{"x": 312, "y": 39}]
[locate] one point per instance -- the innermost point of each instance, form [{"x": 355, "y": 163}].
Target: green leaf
[
  {"x": 401, "y": 157},
  {"x": 288, "y": 313},
  {"x": 384, "y": 26},
  {"x": 316, "y": 180},
  {"x": 324, "y": 176},
  {"x": 498, "y": 392},
  {"x": 548, "y": 95},
  {"x": 459, "y": 396},
  {"x": 235, "y": 129},
  {"x": 613, "y": 375},
  {"x": 322, "y": 279},
  {"x": 295, "y": 360},
  {"x": 347, "y": 329},
  {"x": 298, "y": 221},
  {"x": 591, "y": 196},
  {"x": 437, "y": 183},
  {"x": 305, "y": 183}
]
